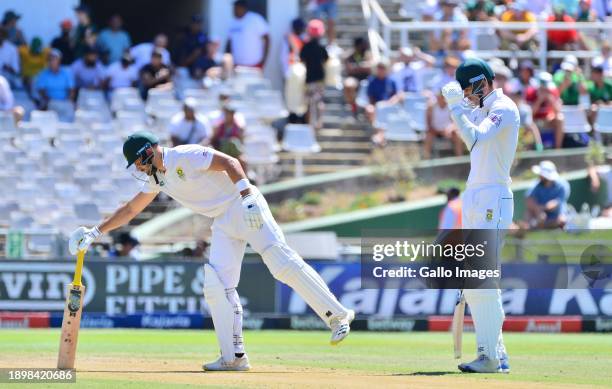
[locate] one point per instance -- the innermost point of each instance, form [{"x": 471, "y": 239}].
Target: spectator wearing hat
[
  {"x": 229, "y": 134},
  {"x": 407, "y": 72},
  {"x": 524, "y": 79},
  {"x": 570, "y": 81},
  {"x": 88, "y": 71},
  {"x": 155, "y": 74},
  {"x": 121, "y": 74},
  {"x": 113, "y": 41},
  {"x": 54, "y": 82},
  {"x": 358, "y": 67},
  {"x": 33, "y": 60},
  {"x": 9, "y": 59},
  {"x": 519, "y": 39},
  {"x": 503, "y": 75},
  {"x": 193, "y": 43},
  {"x": 546, "y": 201},
  {"x": 314, "y": 55},
  {"x": 292, "y": 44},
  {"x": 440, "y": 125},
  {"x": 64, "y": 42},
  {"x": 249, "y": 39},
  {"x": 327, "y": 10},
  {"x": 563, "y": 39},
  {"x": 189, "y": 127},
  {"x": 141, "y": 53},
  {"x": 546, "y": 105},
  {"x": 599, "y": 88},
  {"x": 85, "y": 33},
  {"x": 14, "y": 33},
  {"x": 449, "y": 39}
]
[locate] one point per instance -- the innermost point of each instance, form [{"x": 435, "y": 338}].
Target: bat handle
[{"x": 78, "y": 271}]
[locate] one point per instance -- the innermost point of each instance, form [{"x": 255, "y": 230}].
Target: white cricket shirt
[
  {"x": 246, "y": 35},
  {"x": 188, "y": 180},
  {"x": 496, "y": 128}
]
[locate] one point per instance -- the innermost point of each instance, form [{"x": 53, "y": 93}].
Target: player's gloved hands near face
[
  {"x": 81, "y": 238},
  {"x": 253, "y": 214},
  {"x": 453, "y": 94}
]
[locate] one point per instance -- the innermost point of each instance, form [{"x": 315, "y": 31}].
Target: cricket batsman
[
  {"x": 490, "y": 131},
  {"x": 214, "y": 184}
]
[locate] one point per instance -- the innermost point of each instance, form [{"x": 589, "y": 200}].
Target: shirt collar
[{"x": 491, "y": 97}]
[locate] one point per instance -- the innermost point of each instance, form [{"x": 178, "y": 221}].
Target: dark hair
[
  {"x": 452, "y": 193},
  {"x": 358, "y": 41},
  {"x": 241, "y": 3}
]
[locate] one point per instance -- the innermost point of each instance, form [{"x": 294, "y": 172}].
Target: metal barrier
[{"x": 381, "y": 28}]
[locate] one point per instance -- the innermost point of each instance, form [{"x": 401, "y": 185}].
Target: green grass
[{"x": 575, "y": 359}]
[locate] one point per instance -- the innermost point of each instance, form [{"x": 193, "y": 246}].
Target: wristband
[
  {"x": 243, "y": 184},
  {"x": 96, "y": 232}
]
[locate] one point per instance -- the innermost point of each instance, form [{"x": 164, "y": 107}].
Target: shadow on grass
[{"x": 428, "y": 373}]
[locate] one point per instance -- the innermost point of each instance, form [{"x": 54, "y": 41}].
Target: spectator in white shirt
[
  {"x": 9, "y": 59},
  {"x": 7, "y": 102},
  {"x": 142, "y": 52},
  {"x": 121, "y": 74},
  {"x": 248, "y": 37},
  {"x": 113, "y": 40},
  {"x": 188, "y": 127}
]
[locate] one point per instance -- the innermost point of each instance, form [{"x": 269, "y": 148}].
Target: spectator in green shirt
[
  {"x": 570, "y": 81},
  {"x": 600, "y": 89}
]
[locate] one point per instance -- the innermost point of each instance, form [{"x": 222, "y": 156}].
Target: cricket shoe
[
  {"x": 341, "y": 326},
  {"x": 504, "y": 364},
  {"x": 238, "y": 364},
  {"x": 482, "y": 364}
]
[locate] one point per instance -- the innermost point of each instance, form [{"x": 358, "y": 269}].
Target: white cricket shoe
[
  {"x": 482, "y": 364},
  {"x": 341, "y": 326},
  {"x": 238, "y": 364}
]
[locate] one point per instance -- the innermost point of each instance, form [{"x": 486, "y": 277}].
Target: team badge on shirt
[
  {"x": 180, "y": 173},
  {"x": 496, "y": 119},
  {"x": 489, "y": 215}
]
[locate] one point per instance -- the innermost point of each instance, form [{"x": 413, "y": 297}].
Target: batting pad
[
  {"x": 488, "y": 316},
  {"x": 289, "y": 268},
  {"x": 221, "y": 311}
]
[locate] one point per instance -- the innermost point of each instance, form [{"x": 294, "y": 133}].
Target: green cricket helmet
[
  {"x": 472, "y": 70},
  {"x": 139, "y": 145}
]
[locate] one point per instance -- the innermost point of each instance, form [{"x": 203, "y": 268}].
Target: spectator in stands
[
  {"x": 449, "y": 67},
  {"x": 381, "y": 88},
  {"x": 88, "y": 71},
  {"x": 205, "y": 60},
  {"x": 407, "y": 73},
  {"x": 7, "y": 101},
  {"x": 599, "y": 88},
  {"x": 292, "y": 44},
  {"x": 249, "y": 39},
  {"x": 570, "y": 81},
  {"x": 585, "y": 12},
  {"x": 606, "y": 59},
  {"x": 449, "y": 39},
  {"x": 440, "y": 125},
  {"x": 503, "y": 75},
  {"x": 193, "y": 43},
  {"x": 154, "y": 75},
  {"x": 14, "y": 33},
  {"x": 142, "y": 52},
  {"x": 481, "y": 11},
  {"x": 121, "y": 74},
  {"x": 113, "y": 40},
  {"x": 85, "y": 31},
  {"x": 358, "y": 67},
  {"x": 217, "y": 117},
  {"x": 519, "y": 39},
  {"x": 327, "y": 10},
  {"x": 314, "y": 55},
  {"x": 450, "y": 216},
  {"x": 228, "y": 135},
  {"x": 527, "y": 125},
  {"x": 126, "y": 246},
  {"x": 546, "y": 202},
  {"x": 9, "y": 60},
  {"x": 562, "y": 39},
  {"x": 546, "y": 106},
  {"x": 54, "y": 82},
  {"x": 525, "y": 78},
  {"x": 64, "y": 42},
  {"x": 187, "y": 127},
  {"x": 33, "y": 60}
]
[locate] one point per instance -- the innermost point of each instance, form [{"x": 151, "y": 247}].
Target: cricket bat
[
  {"x": 72, "y": 318},
  {"x": 457, "y": 326}
]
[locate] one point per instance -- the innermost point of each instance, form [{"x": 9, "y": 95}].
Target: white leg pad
[
  {"x": 234, "y": 299},
  {"x": 488, "y": 316},
  {"x": 221, "y": 311},
  {"x": 289, "y": 268}
]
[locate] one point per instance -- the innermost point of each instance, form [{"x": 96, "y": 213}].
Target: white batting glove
[
  {"x": 253, "y": 214},
  {"x": 82, "y": 238},
  {"x": 453, "y": 94}
]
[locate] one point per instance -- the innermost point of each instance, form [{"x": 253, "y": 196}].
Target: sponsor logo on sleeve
[{"x": 495, "y": 118}]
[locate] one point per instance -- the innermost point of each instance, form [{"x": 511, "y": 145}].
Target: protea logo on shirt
[{"x": 180, "y": 173}]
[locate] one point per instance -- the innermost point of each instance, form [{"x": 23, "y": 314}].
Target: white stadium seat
[{"x": 574, "y": 119}]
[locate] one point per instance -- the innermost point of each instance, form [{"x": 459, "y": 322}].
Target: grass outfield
[{"x": 149, "y": 359}]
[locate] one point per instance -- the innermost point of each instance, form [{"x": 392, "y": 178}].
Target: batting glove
[
  {"x": 453, "y": 94},
  {"x": 253, "y": 215},
  {"x": 82, "y": 238}
]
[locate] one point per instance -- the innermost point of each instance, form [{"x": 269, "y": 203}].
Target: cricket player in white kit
[
  {"x": 490, "y": 132},
  {"x": 213, "y": 184}
]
